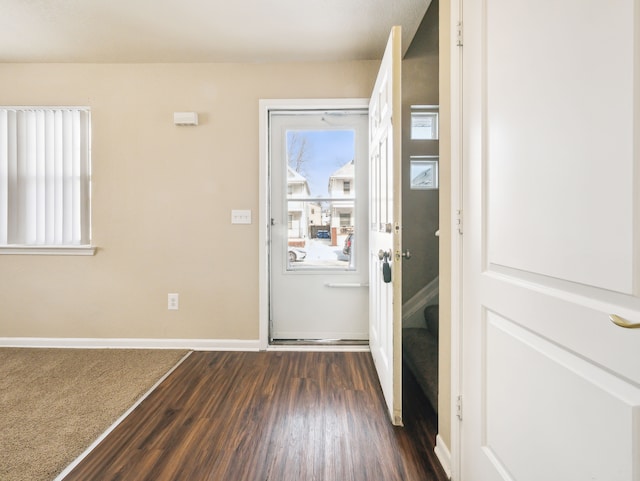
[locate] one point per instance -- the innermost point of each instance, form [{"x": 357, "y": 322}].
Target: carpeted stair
[{"x": 420, "y": 353}]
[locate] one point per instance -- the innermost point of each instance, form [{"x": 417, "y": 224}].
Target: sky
[{"x": 328, "y": 151}]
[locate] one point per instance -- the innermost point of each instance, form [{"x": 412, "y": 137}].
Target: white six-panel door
[
  {"x": 385, "y": 312},
  {"x": 551, "y": 244}
]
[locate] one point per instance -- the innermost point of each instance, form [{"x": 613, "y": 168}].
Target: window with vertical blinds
[{"x": 45, "y": 174}]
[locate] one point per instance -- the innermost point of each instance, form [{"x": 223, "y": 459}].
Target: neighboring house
[
  {"x": 326, "y": 215},
  {"x": 298, "y": 218},
  {"x": 341, "y": 186},
  {"x": 301, "y": 215},
  {"x": 314, "y": 213}
]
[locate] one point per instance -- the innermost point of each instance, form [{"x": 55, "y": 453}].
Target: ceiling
[{"x": 202, "y": 30}]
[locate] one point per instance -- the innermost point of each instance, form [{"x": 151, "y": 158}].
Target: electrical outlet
[{"x": 173, "y": 300}]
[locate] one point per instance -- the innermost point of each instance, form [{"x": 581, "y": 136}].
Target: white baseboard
[
  {"x": 133, "y": 343},
  {"x": 444, "y": 455},
  {"x": 413, "y": 309}
]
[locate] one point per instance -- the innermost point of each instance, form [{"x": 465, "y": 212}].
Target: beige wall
[
  {"x": 162, "y": 197},
  {"x": 444, "y": 389}
]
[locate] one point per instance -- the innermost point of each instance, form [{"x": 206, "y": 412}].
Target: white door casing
[
  {"x": 385, "y": 311},
  {"x": 551, "y": 244}
]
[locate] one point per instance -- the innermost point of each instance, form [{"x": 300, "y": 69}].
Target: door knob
[
  {"x": 406, "y": 254},
  {"x": 622, "y": 322},
  {"x": 384, "y": 254}
]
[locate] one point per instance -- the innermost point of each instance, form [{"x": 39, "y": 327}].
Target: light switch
[{"x": 241, "y": 217}]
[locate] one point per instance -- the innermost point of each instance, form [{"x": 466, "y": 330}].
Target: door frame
[
  {"x": 265, "y": 106},
  {"x": 455, "y": 52}
]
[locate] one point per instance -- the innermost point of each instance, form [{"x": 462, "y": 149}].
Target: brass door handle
[{"x": 622, "y": 322}]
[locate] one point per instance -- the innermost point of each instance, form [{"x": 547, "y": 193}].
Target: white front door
[
  {"x": 551, "y": 240},
  {"x": 318, "y": 217},
  {"x": 385, "y": 257}
]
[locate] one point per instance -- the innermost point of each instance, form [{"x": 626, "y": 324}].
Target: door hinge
[
  {"x": 459, "y": 35},
  {"x": 459, "y": 407},
  {"x": 459, "y": 220}
]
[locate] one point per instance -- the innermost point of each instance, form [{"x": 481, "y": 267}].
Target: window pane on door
[
  {"x": 314, "y": 242},
  {"x": 321, "y": 198}
]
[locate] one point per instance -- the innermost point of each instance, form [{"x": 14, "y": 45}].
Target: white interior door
[
  {"x": 319, "y": 240},
  {"x": 385, "y": 312},
  {"x": 551, "y": 124}
]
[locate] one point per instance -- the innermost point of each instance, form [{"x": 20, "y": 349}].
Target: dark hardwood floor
[{"x": 274, "y": 416}]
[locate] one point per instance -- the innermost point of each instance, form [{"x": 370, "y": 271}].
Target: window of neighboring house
[
  {"x": 290, "y": 222},
  {"x": 45, "y": 175},
  {"x": 346, "y": 186},
  {"x": 345, "y": 220}
]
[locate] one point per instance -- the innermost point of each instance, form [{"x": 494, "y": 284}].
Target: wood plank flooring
[{"x": 267, "y": 416}]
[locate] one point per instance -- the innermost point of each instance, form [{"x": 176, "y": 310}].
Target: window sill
[{"x": 48, "y": 250}]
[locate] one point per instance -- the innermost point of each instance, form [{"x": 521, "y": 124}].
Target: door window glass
[{"x": 321, "y": 198}]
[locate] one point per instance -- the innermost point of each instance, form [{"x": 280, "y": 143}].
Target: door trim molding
[
  {"x": 456, "y": 231},
  {"x": 265, "y": 106},
  {"x": 443, "y": 455}
]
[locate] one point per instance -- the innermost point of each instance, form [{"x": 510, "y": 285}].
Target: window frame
[{"x": 87, "y": 249}]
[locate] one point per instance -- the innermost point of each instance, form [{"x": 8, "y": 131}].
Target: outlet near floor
[{"x": 173, "y": 300}]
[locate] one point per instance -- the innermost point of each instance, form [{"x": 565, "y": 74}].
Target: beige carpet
[{"x": 55, "y": 402}]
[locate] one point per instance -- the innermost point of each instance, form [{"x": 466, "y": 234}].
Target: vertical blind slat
[
  {"x": 12, "y": 177},
  {"x": 40, "y": 201},
  {"x": 85, "y": 173},
  {"x": 58, "y": 162},
  {"x": 4, "y": 174},
  {"x": 22, "y": 187},
  {"x": 66, "y": 174},
  {"x": 49, "y": 176},
  {"x": 75, "y": 177}
]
